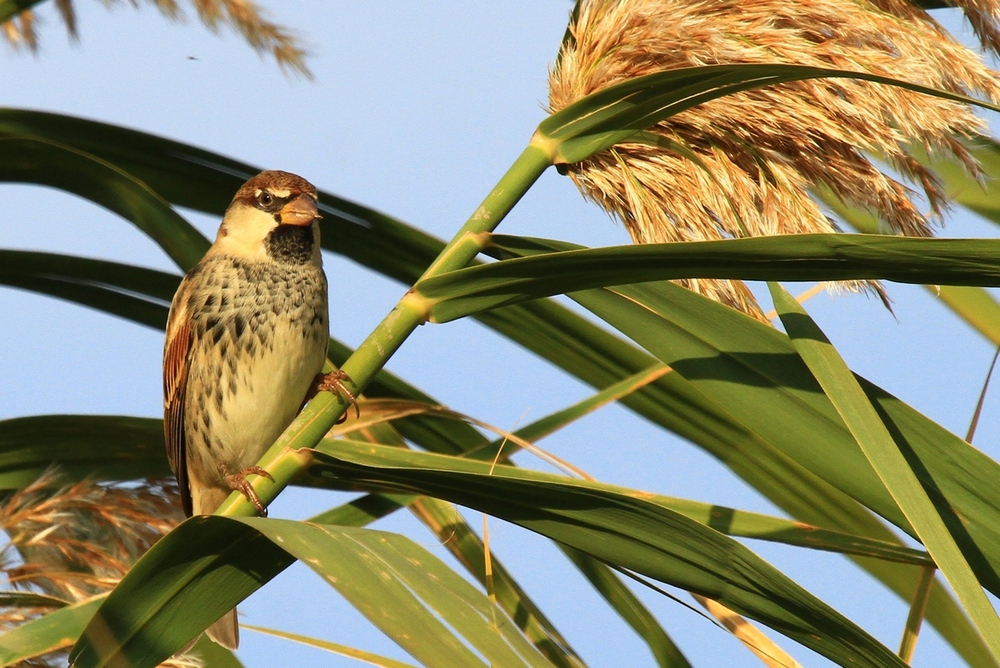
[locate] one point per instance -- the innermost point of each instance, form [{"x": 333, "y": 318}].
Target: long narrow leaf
[
  {"x": 614, "y": 114},
  {"x": 728, "y": 521},
  {"x": 459, "y": 538},
  {"x": 208, "y": 564},
  {"x": 722, "y": 350},
  {"x": 191, "y": 177},
  {"x": 344, "y": 650},
  {"x": 27, "y": 599},
  {"x": 33, "y": 160},
  {"x": 186, "y": 581},
  {"x": 366, "y": 509},
  {"x": 973, "y": 304},
  {"x": 757, "y": 374},
  {"x": 806, "y": 257},
  {"x": 47, "y": 633},
  {"x": 889, "y": 462},
  {"x": 623, "y": 529},
  {"x": 405, "y": 590},
  {"x": 711, "y": 343},
  {"x": 105, "y": 447},
  {"x": 111, "y": 287},
  {"x": 59, "y": 629},
  {"x": 631, "y": 609}
]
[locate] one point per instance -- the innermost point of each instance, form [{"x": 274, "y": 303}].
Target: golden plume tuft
[
  {"x": 744, "y": 165},
  {"x": 73, "y": 542},
  {"x": 243, "y": 16}
]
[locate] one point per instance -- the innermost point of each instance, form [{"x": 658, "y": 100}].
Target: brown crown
[{"x": 274, "y": 180}]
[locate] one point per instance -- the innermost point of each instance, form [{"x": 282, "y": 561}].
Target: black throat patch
[{"x": 292, "y": 244}]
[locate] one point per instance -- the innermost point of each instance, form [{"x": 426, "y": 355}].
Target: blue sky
[{"x": 417, "y": 109}]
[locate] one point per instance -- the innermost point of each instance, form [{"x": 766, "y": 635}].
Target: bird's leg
[
  {"x": 238, "y": 481},
  {"x": 334, "y": 382}
]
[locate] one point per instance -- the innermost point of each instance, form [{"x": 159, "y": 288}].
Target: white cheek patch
[{"x": 246, "y": 228}]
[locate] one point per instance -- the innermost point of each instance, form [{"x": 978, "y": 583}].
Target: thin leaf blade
[
  {"x": 621, "y": 529},
  {"x": 889, "y": 463}
]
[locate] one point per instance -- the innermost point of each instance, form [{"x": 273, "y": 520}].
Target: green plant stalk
[
  {"x": 283, "y": 460},
  {"x": 918, "y": 610}
]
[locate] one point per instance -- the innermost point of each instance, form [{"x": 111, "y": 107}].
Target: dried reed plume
[
  {"x": 744, "y": 165},
  {"x": 74, "y": 542},
  {"x": 243, "y": 16}
]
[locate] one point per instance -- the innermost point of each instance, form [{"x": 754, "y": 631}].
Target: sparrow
[{"x": 246, "y": 340}]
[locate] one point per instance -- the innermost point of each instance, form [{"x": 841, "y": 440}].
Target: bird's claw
[
  {"x": 334, "y": 382},
  {"x": 238, "y": 481}
]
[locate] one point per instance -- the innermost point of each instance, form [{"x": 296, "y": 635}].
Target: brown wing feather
[{"x": 176, "y": 355}]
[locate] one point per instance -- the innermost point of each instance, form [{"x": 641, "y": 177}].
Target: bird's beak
[{"x": 300, "y": 211}]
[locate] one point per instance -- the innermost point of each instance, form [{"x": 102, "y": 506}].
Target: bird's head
[{"x": 272, "y": 217}]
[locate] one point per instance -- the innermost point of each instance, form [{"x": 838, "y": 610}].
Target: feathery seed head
[
  {"x": 244, "y": 16},
  {"x": 743, "y": 165},
  {"x": 73, "y": 542}
]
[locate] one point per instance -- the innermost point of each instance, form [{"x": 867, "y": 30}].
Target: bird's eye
[{"x": 265, "y": 199}]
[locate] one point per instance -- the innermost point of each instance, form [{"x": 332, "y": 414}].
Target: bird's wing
[{"x": 176, "y": 360}]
